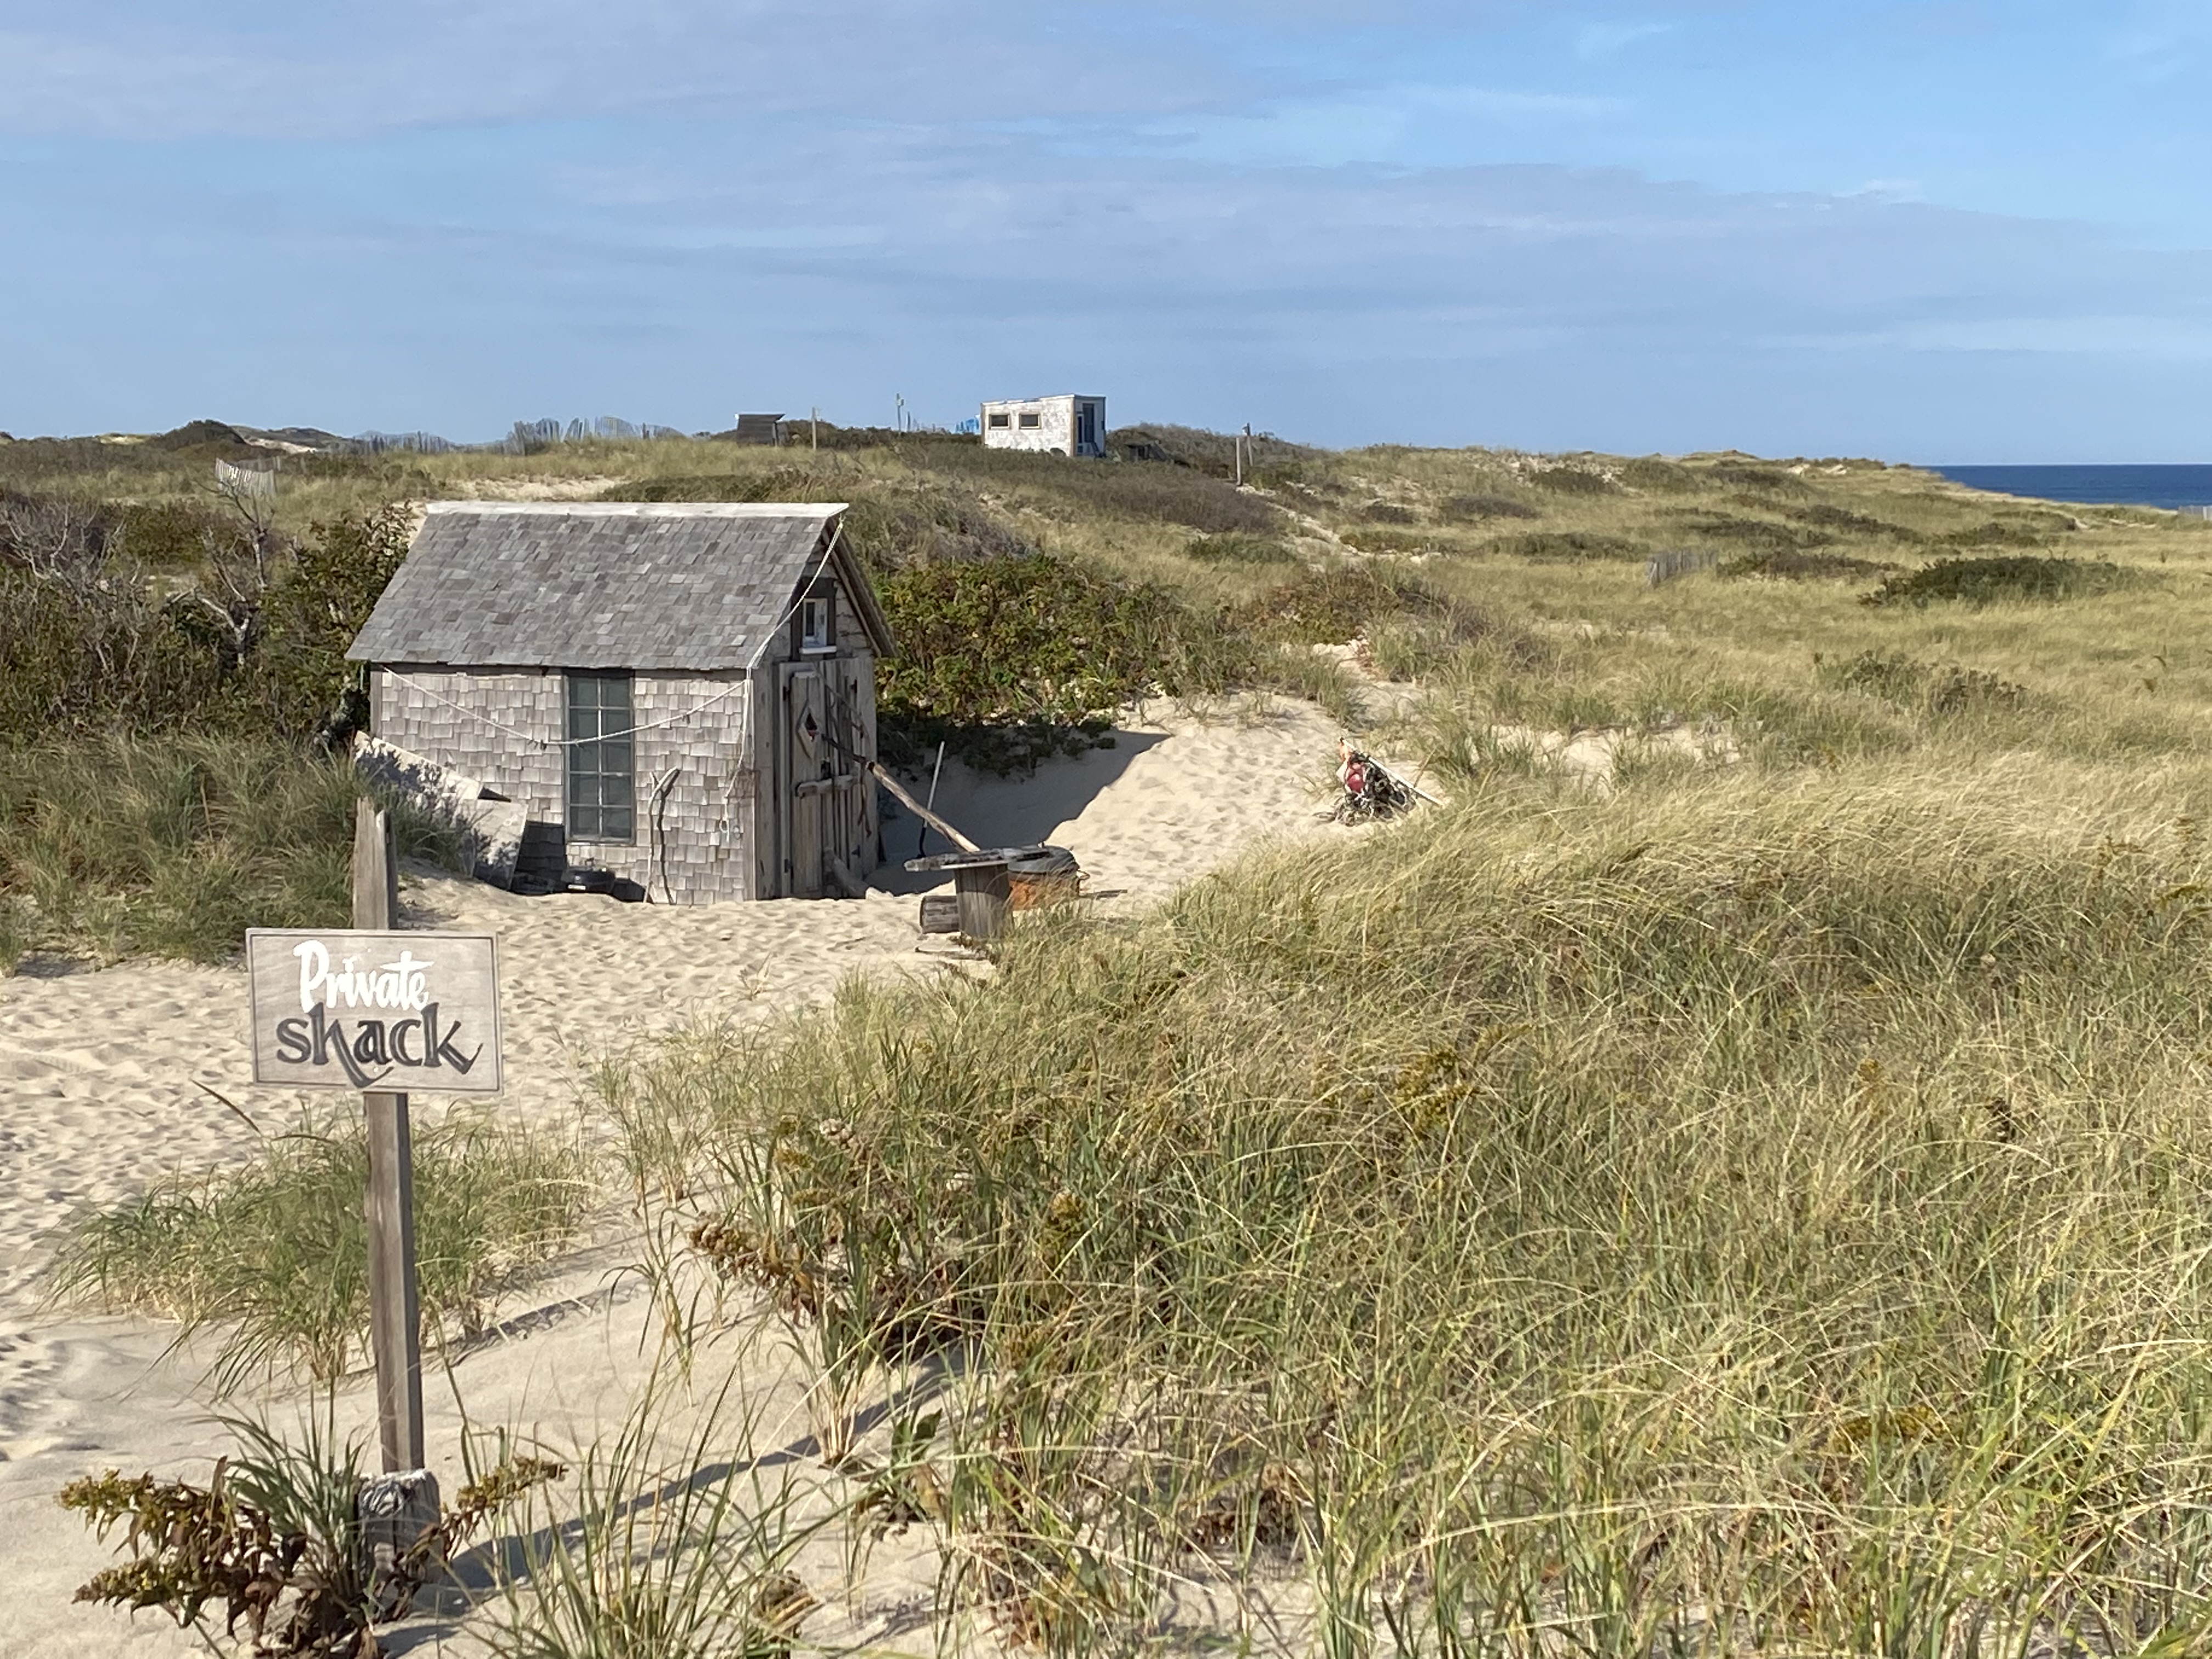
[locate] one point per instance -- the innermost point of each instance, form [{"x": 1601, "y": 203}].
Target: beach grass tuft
[
  {"x": 172, "y": 846},
  {"x": 270, "y": 1256}
]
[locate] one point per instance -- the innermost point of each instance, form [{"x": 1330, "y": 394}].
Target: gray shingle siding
[
  {"x": 708, "y": 840},
  {"x": 471, "y": 644}
]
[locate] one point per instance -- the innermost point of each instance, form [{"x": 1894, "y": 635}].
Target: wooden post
[
  {"x": 985, "y": 893},
  {"x": 395, "y": 1319}
]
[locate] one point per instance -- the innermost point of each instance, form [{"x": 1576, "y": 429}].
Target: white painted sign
[{"x": 340, "y": 1008}]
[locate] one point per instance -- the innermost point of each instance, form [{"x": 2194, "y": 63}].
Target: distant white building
[{"x": 1068, "y": 425}]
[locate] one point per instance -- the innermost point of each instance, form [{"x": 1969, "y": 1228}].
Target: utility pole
[{"x": 814, "y": 430}]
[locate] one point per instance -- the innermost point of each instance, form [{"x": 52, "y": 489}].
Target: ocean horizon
[{"x": 2170, "y": 487}]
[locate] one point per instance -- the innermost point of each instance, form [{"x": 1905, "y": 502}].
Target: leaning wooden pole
[{"x": 395, "y": 1317}]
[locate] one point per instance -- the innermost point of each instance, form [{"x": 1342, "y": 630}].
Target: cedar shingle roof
[{"x": 641, "y": 585}]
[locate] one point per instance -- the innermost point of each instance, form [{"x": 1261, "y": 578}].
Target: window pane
[{"x": 601, "y": 759}]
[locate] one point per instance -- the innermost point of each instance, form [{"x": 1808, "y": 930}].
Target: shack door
[{"x": 812, "y": 767}]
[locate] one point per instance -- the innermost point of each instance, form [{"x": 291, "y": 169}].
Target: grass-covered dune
[
  {"x": 1751, "y": 1200},
  {"x": 1736, "y": 1214}
]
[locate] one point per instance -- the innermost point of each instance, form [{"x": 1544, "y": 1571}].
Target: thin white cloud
[{"x": 1603, "y": 40}]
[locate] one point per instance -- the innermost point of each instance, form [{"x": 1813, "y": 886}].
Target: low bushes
[
  {"x": 1170, "y": 492},
  {"x": 1995, "y": 580},
  {"x": 1660, "y": 477},
  {"x": 1473, "y": 509},
  {"x": 1572, "y": 546},
  {"x": 2035, "y": 531},
  {"x": 784, "y": 483},
  {"x": 1789, "y": 564},
  {"x": 1327, "y": 607},
  {"x": 1933, "y": 688},
  {"x": 1240, "y": 547},
  {"x": 1759, "y": 478},
  {"x": 254, "y": 640},
  {"x": 1571, "y": 481},
  {"x": 1825, "y": 516},
  {"x": 1010, "y": 660}
]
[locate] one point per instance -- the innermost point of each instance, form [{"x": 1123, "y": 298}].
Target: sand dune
[{"x": 110, "y": 1078}]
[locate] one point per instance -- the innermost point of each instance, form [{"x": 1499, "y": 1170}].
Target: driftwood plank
[
  {"x": 975, "y": 859},
  {"x": 884, "y": 777}
]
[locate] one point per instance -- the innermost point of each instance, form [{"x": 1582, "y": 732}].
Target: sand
[{"x": 108, "y": 1078}]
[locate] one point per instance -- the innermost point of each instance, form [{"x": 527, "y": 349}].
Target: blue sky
[{"x": 1955, "y": 230}]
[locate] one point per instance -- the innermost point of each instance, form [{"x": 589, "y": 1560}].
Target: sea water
[{"x": 2094, "y": 486}]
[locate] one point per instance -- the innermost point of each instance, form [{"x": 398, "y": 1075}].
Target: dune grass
[
  {"x": 172, "y": 846},
  {"x": 1748, "y": 1206},
  {"x": 271, "y": 1256},
  {"x": 1700, "y": 1220}
]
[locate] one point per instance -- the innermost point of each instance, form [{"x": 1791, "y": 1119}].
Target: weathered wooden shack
[{"x": 681, "y": 695}]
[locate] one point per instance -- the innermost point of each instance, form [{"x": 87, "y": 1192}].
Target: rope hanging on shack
[{"x": 731, "y": 690}]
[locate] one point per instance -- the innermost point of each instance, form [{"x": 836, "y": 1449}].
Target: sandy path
[
  {"x": 100, "y": 1076},
  {"x": 104, "y": 1077}
]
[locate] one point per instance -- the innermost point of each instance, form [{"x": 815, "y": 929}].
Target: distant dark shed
[{"x": 683, "y": 694}]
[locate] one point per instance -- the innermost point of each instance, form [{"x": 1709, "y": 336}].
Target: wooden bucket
[{"x": 1050, "y": 877}]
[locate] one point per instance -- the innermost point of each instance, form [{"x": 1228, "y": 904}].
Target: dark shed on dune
[{"x": 681, "y": 695}]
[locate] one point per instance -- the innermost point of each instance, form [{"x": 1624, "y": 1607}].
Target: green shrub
[
  {"x": 170, "y": 535},
  {"x": 1565, "y": 545},
  {"x": 1388, "y": 512},
  {"x": 1932, "y": 688},
  {"x": 255, "y": 647},
  {"x": 784, "y": 483},
  {"x": 1823, "y": 516},
  {"x": 1787, "y": 564},
  {"x": 91, "y": 657},
  {"x": 1364, "y": 540},
  {"x": 1994, "y": 581},
  {"x": 1240, "y": 547},
  {"x": 2006, "y": 532},
  {"x": 1661, "y": 477},
  {"x": 275, "y": 1536},
  {"x": 1326, "y": 607},
  {"x": 1571, "y": 481},
  {"x": 1760, "y": 479},
  {"x": 1269, "y": 459},
  {"x": 1010, "y": 660},
  {"x": 1729, "y": 528},
  {"x": 892, "y": 530},
  {"x": 1163, "y": 492},
  {"x": 1473, "y": 509}
]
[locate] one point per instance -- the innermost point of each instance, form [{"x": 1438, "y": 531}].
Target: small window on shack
[
  {"x": 1000, "y": 421},
  {"x": 1031, "y": 420},
  {"x": 818, "y": 624},
  {"x": 602, "y": 758}
]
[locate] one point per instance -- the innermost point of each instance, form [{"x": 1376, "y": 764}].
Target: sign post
[
  {"x": 395, "y": 1316},
  {"x": 370, "y": 1008}
]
